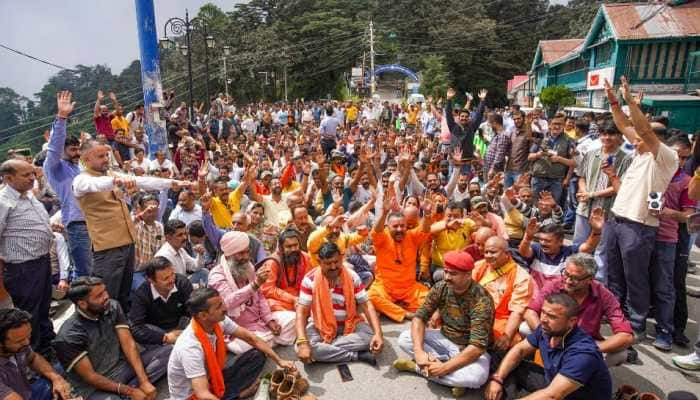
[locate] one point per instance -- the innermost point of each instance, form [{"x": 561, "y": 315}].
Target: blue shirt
[
  {"x": 329, "y": 127},
  {"x": 577, "y": 358},
  {"x": 60, "y": 174}
]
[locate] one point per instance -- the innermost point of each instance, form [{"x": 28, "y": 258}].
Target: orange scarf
[
  {"x": 322, "y": 305},
  {"x": 215, "y": 362}
]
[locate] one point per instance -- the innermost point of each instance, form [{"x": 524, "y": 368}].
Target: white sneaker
[{"x": 690, "y": 362}]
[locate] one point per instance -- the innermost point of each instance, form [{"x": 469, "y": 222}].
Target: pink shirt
[
  {"x": 675, "y": 198},
  {"x": 599, "y": 303}
]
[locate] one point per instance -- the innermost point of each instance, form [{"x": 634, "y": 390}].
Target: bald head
[
  {"x": 483, "y": 234},
  {"x": 412, "y": 214},
  {"x": 496, "y": 251},
  {"x": 239, "y": 221},
  {"x": 497, "y": 242}
]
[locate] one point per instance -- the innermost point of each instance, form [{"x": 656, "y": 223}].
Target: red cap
[{"x": 458, "y": 260}]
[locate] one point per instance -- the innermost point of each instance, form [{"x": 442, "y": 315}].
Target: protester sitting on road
[
  {"x": 19, "y": 362},
  {"x": 511, "y": 288},
  {"x": 198, "y": 366},
  {"x": 454, "y": 232},
  {"x": 158, "y": 313},
  {"x": 456, "y": 355},
  {"x": 236, "y": 280},
  {"x": 596, "y": 304},
  {"x": 395, "y": 292},
  {"x": 331, "y": 231},
  {"x": 334, "y": 296},
  {"x": 573, "y": 365},
  {"x": 98, "y": 352},
  {"x": 476, "y": 249},
  {"x": 287, "y": 269},
  {"x": 547, "y": 257},
  {"x": 174, "y": 250}
]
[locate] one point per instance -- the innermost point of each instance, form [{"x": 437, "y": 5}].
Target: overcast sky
[{"x": 71, "y": 32}]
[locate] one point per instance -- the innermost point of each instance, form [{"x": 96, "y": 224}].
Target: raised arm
[
  {"x": 98, "y": 103},
  {"x": 619, "y": 117},
  {"x": 639, "y": 121}
]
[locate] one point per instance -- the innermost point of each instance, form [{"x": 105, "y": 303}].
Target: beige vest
[{"x": 107, "y": 217}]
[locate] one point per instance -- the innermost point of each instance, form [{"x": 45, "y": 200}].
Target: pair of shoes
[
  {"x": 690, "y": 362},
  {"x": 663, "y": 342},
  {"x": 405, "y": 365},
  {"x": 458, "y": 391},
  {"x": 680, "y": 339},
  {"x": 286, "y": 385},
  {"x": 367, "y": 357},
  {"x": 626, "y": 392}
]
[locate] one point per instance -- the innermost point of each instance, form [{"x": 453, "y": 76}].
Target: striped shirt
[
  {"x": 307, "y": 285},
  {"x": 25, "y": 232}
]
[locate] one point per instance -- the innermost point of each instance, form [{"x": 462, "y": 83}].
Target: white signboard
[
  {"x": 356, "y": 72},
  {"x": 596, "y": 78}
]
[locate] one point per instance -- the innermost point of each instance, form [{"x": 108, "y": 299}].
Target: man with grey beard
[{"x": 239, "y": 285}]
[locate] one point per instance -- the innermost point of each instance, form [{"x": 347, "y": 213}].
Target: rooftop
[{"x": 649, "y": 21}]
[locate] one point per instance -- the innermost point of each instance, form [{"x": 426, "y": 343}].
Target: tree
[
  {"x": 435, "y": 78},
  {"x": 11, "y": 108},
  {"x": 556, "y": 97}
]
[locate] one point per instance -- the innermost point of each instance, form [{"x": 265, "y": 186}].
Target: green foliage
[
  {"x": 556, "y": 97},
  {"x": 435, "y": 78}
]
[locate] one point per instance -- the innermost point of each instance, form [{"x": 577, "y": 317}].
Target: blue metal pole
[{"x": 150, "y": 76}]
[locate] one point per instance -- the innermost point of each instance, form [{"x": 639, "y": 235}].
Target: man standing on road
[
  {"x": 25, "y": 241},
  {"x": 551, "y": 160},
  {"x": 329, "y": 132},
  {"x": 61, "y": 166},
  {"x": 100, "y": 195}
]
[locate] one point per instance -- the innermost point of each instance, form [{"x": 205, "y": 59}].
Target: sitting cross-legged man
[
  {"x": 100, "y": 356},
  {"x": 239, "y": 285},
  {"x": 335, "y": 297},
  {"x": 197, "y": 367},
  {"x": 456, "y": 354},
  {"x": 158, "y": 313}
]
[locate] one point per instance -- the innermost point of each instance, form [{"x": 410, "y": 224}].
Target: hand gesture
[
  {"x": 100, "y": 95},
  {"x": 427, "y": 206},
  {"x": 454, "y": 224},
  {"x": 304, "y": 353},
  {"x": 203, "y": 170},
  {"x": 65, "y": 105},
  {"x": 199, "y": 249},
  {"x": 149, "y": 390},
  {"x": 274, "y": 327},
  {"x": 476, "y": 217},
  {"x": 610, "y": 92},
  {"x": 451, "y": 93},
  {"x": 608, "y": 170},
  {"x": 583, "y": 197},
  {"x": 511, "y": 195},
  {"x": 386, "y": 202},
  {"x": 205, "y": 202},
  {"x": 546, "y": 197},
  {"x": 493, "y": 391},
  {"x": 597, "y": 220},
  {"x": 113, "y": 97},
  {"x": 338, "y": 221},
  {"x": 625, "y": 90},
  {"x": 376, "y": 344},
  {"x": 320, "y": 158},
  {"x": 482, "y": 94},
  {"x": 531, "y": 228},
  {"x": 457, "y": 156},
  {"x": 261, "y": 276}
]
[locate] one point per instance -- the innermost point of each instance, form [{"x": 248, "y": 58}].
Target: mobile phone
[
  {"x": 345, "y": 374},
  {"x": 552, "y": 152},
  {"x": 611, "y": 160}
]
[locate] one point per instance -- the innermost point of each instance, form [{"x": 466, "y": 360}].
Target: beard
[
  {"x": 292, "y": 258},
  {"x": 239, "y": 269}
]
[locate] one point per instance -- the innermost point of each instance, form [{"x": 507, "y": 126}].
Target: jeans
[
  {"x": 582, "y": 229},
  {"x": 80, "y": 248},
  {"x": 29, "y": 285},
  {"x": 547, "y": 184},
  {"x": 242, "y": 373},
  {"x": 628, "y": 248},
  {"x": 328, "y": 145},
  {"x": 571, "y": 202},
  {"x": 138, "y": 280},
  {"x": 680, "y": 310},
  {"x": 199, "y": 278},
  {"x": 661, "y": 274},
  {"x": 471, "y": 376},
  {"x": 116, "y": 268},
  {"x": 511, "y": 177}
]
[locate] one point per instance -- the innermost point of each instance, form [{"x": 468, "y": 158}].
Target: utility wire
[{"x": 35, "y": 58}]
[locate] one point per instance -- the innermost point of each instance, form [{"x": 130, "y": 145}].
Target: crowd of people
[{"x": 304, "y": 224}]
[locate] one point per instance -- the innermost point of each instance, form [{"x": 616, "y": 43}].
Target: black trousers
[
  {"x": 116, "y": 268},
  {"x": 29, "y": 284},
  {"x": 242, "y": 373},
  {"x": 327, "y": 146}
]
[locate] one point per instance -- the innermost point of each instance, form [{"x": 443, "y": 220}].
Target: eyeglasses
[{"x": 573, "y": 278}]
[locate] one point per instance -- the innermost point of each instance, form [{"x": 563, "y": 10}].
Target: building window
[{"x": 603, "y": 53}]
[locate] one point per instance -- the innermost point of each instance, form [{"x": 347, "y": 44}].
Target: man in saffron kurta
[
  {"x": 396, "y": 249},
  {"x": 239, "y": 286},
  {"x": 510, "y": 286},
  {"x": 287, "y": 269}
]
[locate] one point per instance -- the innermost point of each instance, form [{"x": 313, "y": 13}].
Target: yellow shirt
[
  {"x": 222, "y": 213},
  {"x": 412, "y": 117},
  {"x": 571, "y": 133},
  {"x": 320, "y": 236},
  {"x": 515, "y": 223},
  {"x": 352, "y": 113},
  {"x": 120, "y": 123},
  {"x": 449, "y": 240}
]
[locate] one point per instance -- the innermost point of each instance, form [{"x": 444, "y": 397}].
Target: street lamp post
[{"x": 179, "y": 27}]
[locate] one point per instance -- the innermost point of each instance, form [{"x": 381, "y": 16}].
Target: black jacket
[{"x": 463, "y": 137}]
